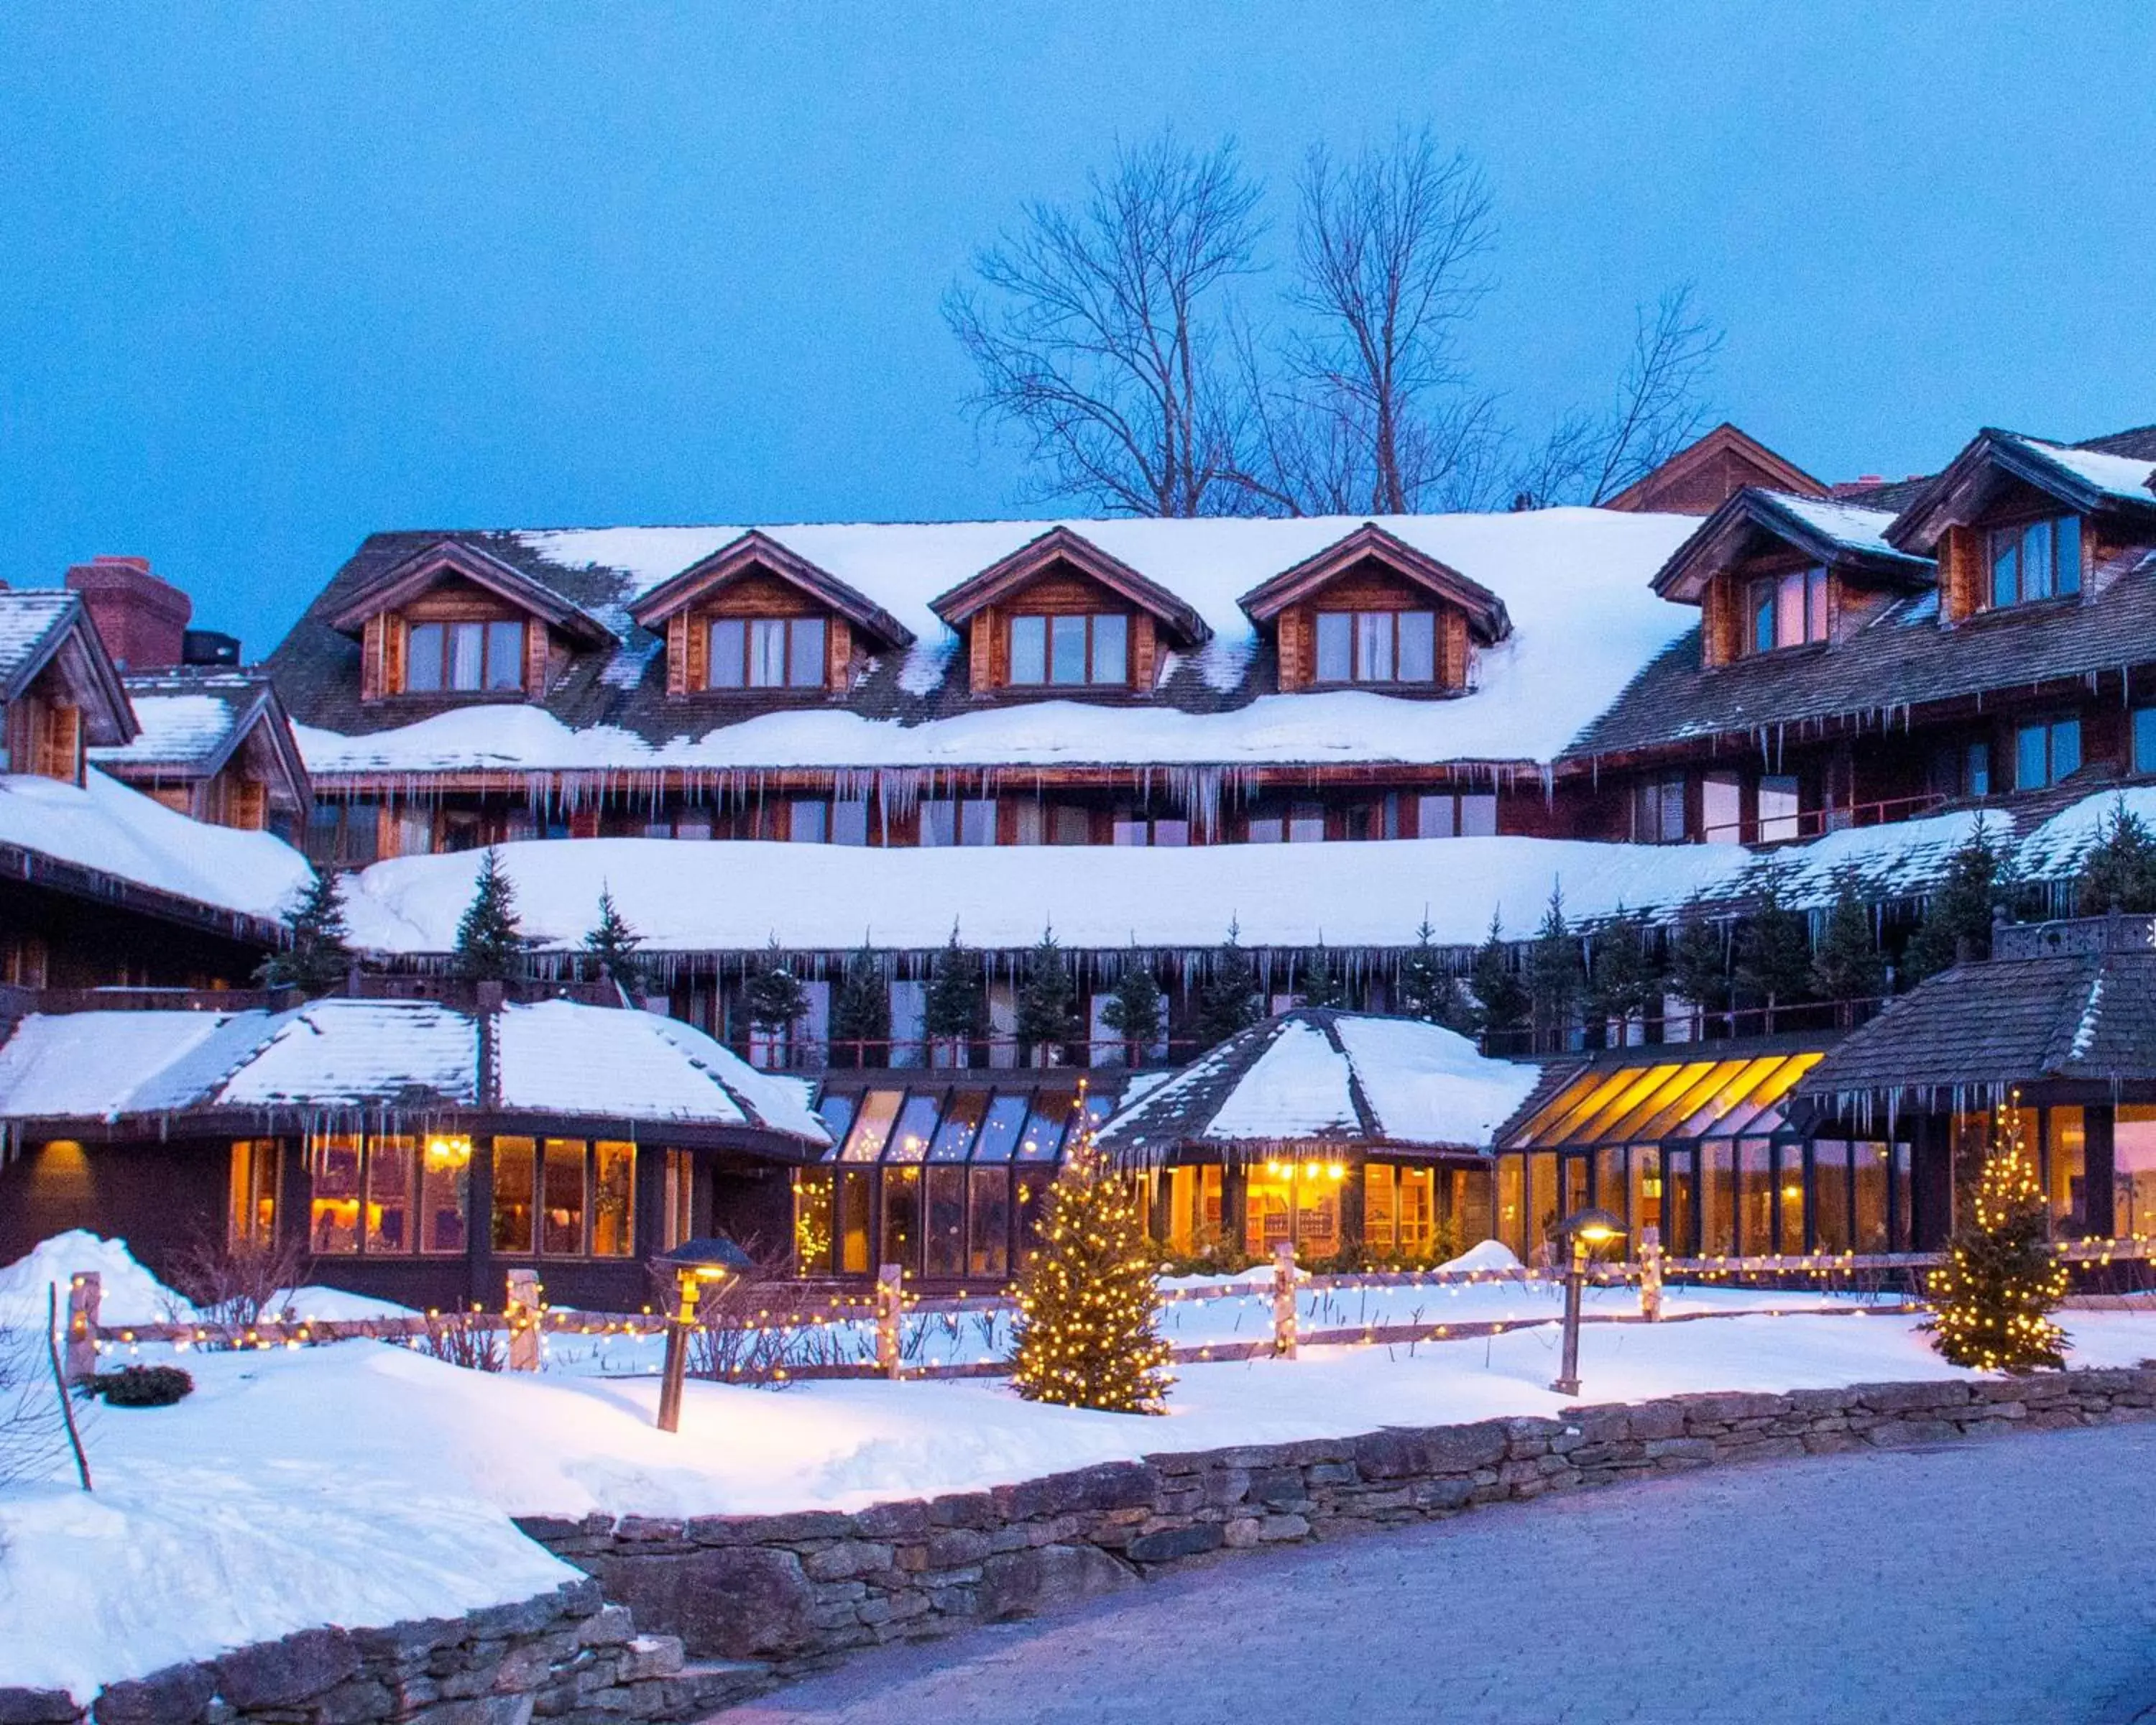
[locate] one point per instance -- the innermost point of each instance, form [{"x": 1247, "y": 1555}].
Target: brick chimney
[{"x": 142, "y": 620}]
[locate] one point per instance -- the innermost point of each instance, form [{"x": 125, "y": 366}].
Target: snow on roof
[
  {"x": 96, "y": 1065},
  {"x": 27, "y": 620},
  {"x": 186, "y": 715},
  {"x": 2120, "y": 475},
  {"x": 1863, "y": 530},
  {"x": 352, "y": 1053},
  {"x": 1426, "y": 1084},
  {"x": 1575, "y": 582},
  {"x": 105, "y": 825}
]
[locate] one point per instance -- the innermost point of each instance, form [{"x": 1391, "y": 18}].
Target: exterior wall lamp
[
  {"x": 1582, "y": 1232},
  {"x": 694, "y": 1262}
]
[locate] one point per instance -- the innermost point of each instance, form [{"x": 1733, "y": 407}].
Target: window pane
[
  {"x": 1762, "y": 616},
  {"x": 767, "y": 652},
  {"x": 902, "y": 1218},
  {"x": 1434, "y": 818},
  {"x": 1070, "y": 825},
  {"x": 1066, "y": 641},
  {"x": 1029, "y": 823},
  {"x": 505, "y": 655},
  {"x": 1174, "y": 833},
  {"x": 1306, "y": 824},
  {"x": 850, "y": 822},
  {"x": 954, "y": 1137},
  {"x": 809, "y": 822},
  {"x": 389, "y": 1195},
  {"x": 1000, "y": 1130},
  {"x": 1816, "y": 604},
  {"x": 2068, "y": 574},
  {"x": 946, "y": 1222},
  {"x": 1778, "y": 808},
  {"x": 2029, "y": 757},
  {"x": 2005, "y": 569},
  {"x": 2145, "y": 740},
  {"x": 872, "y": 1125},
  {"x": 1373, "y": 646},
  {"x": 916, "y": 1127},
  {"x": 990, "y": 1197},
  {"x": 2065, "y": 1181},
  {"x": 854, "y": 1221},
  {"x": 977, "y": 821},
  {"x": 467, "y": 652},
  {"x": 613, "y": 1232},
  {"x": 1789, "y": 610},
  {"x": 333, "y": 1221},
  {"x": 513, "y": 1193},
  {"x": 1028, "y": 650},
  {"x": 1417, "y": 646},
  {"x": 939, "y": 821},
  {"x": 422, "y": 658},
  {"x": 444, "y": 1193},
  {"x": 1721, "y": 812},
  {"x": 2036, "y": 560},
  {"x": 805, "y": 663},
  {"x": 1978, "y": 783},
  {"x": 1270, "y": 829},
  {"x": 1478, "y": 814},
  {"x": 1111, "y": 636},
  {"x": 729, "y": 666},
  {"x": 1335, "y": 646},
  {"x": 561, "y": 1216},
  {"x": 1130, "y": 831},
  {"x": 2066, "y": 748}
]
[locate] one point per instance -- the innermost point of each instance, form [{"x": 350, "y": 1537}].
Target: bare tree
[
  {"x": 1376, "y": 415},
  {"x": 1658, "y": 409},
  {"x": 1099, "y": 332}
]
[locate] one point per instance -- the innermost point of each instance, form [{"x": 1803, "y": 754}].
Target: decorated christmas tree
[
  {"x": 1134, "y": 1012},
  {"x": 612, "y": 941},
  {"x": 319, "y": 958},
  {"x": 2002, "y": 1281},
  {"x": 1087, "y": 1332},
  {"x": 1047, "y": 1018},
  {"x": 491, "y": 942}
]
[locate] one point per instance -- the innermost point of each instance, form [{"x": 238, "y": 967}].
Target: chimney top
[{"x": 142, "y": 619}]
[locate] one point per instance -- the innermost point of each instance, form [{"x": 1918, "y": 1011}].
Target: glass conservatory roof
[
  {"x": 1669, "y": 1099},
  {"x": 901, "y": 1124}
]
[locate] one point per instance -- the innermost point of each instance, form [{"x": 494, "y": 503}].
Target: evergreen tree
[
  {"x": 491, "y": 941},
  {"x": 1501, "y": 1000},
  {"x": 1847, "y": 966},
  {"x": 1228, "y": 1001},
  {"x": 1957, "y": 925},
  {"x": 2002, "y": 1281},
  {"x": 1427, "y": 989},
  {"x": 613, "y": 943},
  {"x": 773, "y": 995},
  {"x": 319, "y": 956},
  {"x": 1699, "y": 963},
  {"x": 1773, "y": 952},
  {"x": 860, "y": 1012},
  {"x": 1048, "y": 1017},
  {"x": 957, "y": 1006},
  {"x": 1554, "y": 974},
  {"x": 2119, "y": 873},
  {"x": 1088, "y": 1331},
  {"x": 1625, "y": 982},
  {"x": 1134, "y": 1012},
  {"x": 1321, "y": 984}
]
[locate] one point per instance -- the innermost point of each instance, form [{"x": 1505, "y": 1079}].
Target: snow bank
[
  {"x": 1490, "y": 1255},
  {"x": 128, "y": 1294}
]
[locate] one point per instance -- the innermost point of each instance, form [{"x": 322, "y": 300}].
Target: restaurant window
[
  {"x": 613, "y": 1198},
  {"x": 946, "y": 1222},
  {"x": 2046, "y": 752},
  {"x": 1681, "y": 1202},
  {"x": 2035, "y": 559},
  {"x": 255, "y": 1162},
  {"x": 1074, "y": 650},
  {"x": 561, "y": 1198},
  {"x": 1789, "y": 1198},
  {"x": 1512, "y": 1209},
  {"x": 1868, "y": 1169},
  {"x": 515, "y": 1192},
  {"x": 1379, "y": 1181},
  {"x": 855, "y": 1194},
  {"x": 2065, "y": 1171},
  {"x": 812, "y": 1220},
  {"x": 463, "y": 657},
  {"x": 1788, "y": 610},
  {"x": 1646, "y": 1210},
  {"x": 1541, "y": 1211},
  {"x": 1377, "y": 646},
  {"x": 1717, "y": 1198},
  {"x": 1830, "y": 1196},
  {"x": 2133, "y": 1170},
  {"x": 445, "y": 1193},
  {"x": 1658, "y": 809},
  {"x": 902, "y": 1218},
  {"x": 333, "y": 1217},
  {"x": 1610, "y": 1191},
  {"x": 678, "y": 1194},
  {"x": 765, "y": 653}
]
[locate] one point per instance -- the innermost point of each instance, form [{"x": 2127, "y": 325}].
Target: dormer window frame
[
  {"x": 491, "y": 636},
  {"x": 1787, "y": 608},
  {"x": 2051, "y": 541},
  {"x": 1041, "y": 644},
  {"x": 747, "y": 649},
  {"x": 1373, "y": 638}
]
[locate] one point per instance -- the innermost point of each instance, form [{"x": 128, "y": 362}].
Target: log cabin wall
[{"x": 44, "y": 733}]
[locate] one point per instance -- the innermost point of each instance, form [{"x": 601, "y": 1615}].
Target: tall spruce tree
[
  {"x": 2002, "y": 1280},
  {"x": 860, "y": 1012},
  {"x": 612, "y": 943},
  {"x": 2119, "y": 872},
  {"x": 957, "y": 1004},
  {"x": 773, "y": 996},
  {"x": 1554, "y": 975},
  {"x": 1426, "y": 988},
  {"x": 1321, "y": 982},
  {"x": 319, "y": 956},
  {"x": 1135, "y": 1011},
  {"x": 491, "y": 947},
  {"x": 1048, "y": 1016},
  {"x": 1502, "y": 1004},
  {"x": 1228, "y": 999},
  {"x": 1623, "y": 983},
  {"x": 1957, "y": 925},
  {"x": 1773, "y": 967},
  {"x": 1699, "y": 963},
  {"x": 1847, "y": 967}
]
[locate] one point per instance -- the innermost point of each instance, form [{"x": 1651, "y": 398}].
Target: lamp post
[
  {"x": 694, "y": 1263},
  {"x": 1582, "y": 1231}
]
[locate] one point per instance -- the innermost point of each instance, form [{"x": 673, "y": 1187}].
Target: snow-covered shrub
[
  {"x": 142, "y": 1386},
  {"x": 233, "y": 1284}
]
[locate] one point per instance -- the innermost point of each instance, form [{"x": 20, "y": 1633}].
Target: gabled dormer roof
[
  {"x": 1725, "y": 446},
  {"x": 453, "y": 557},
  {"x": 2086, "y": 479},
  {"x": 49, "y": 628},
  {"x": 757, "y": 550},
  {"x": 194, "y": 721},
  {"x": 1178, "y": 620},
  {"x": 1486, "y": 619},
  {"x": 1837, "y": 534}
]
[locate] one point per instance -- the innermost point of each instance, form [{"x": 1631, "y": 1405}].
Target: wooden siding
[{"x": 1369, "y": 586}]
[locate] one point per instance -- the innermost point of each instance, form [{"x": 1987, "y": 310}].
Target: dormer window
[
  {"x": 1088, "y": 648},
  {"x": 2035, "y": 560},
  {"x": 767, "y": 652},
  {"x": 1787, "y": 610},
  {"x": 465, "y": 657},
  {"x": 1377, "y": 647}
]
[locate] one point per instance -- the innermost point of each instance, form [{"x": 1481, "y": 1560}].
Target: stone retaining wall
[
  {"x": 799, "y": 1590},
  {"x": 566, "y": 1657}
]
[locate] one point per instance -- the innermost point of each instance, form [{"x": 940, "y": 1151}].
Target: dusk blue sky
[{"x": 273, "y": 277}]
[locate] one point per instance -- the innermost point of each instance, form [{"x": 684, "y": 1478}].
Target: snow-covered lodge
[{"x": 843, "y": 738}]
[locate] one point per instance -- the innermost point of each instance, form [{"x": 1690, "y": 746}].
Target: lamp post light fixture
[
  {"x": 1582, "y": 1231},
  {"x": 694, "y": 1262}
]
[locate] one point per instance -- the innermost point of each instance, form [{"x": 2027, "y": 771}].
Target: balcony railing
[
  {"x": 1816, "y": 822},
  {"x": 2115, "y": 933},
  {"x": 961, "y": 1054},
  {"x": 1681, "y": 1029}
]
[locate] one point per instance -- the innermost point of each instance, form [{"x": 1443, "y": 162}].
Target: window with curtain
[
  {"x": 1788, "y": 609},
  {"x": 765, "y": 653},
  {"x": 1377, "y": 646},
  {"x": 463, "y": 657}
]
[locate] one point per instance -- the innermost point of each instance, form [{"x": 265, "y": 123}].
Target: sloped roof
[
  {"x": 2082, "y": 478},
  {"x": 1677, "y": 1090},
  {"x": 195, "y": 719},
  {"x": 1835, "y": 533},
  {"x": 757, "y": 550},
  {"x": 1724, "y": 439},
  {"x": 451, "y": 556},
  {"x": 1485, "y": 611},
  {"x": 40, "y": 625},
  {"x": 1316, "y": 1076},
  {"x": 1065, "y": 544}
]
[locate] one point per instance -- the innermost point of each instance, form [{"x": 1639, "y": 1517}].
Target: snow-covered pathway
[{"x": 2004, "y": 1581}]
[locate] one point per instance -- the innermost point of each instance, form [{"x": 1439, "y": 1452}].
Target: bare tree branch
[{"x": 1097, "y": 332}]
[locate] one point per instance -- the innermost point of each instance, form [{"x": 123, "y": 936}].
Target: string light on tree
[{"x": 2002, "y": 1278}]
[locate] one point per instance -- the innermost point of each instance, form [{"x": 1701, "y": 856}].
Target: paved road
[{"x": 2013, "y": 1581}]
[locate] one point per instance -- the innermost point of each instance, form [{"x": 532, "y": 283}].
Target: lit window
[
  {"x": 2046, "y": 753},
  {"x": 463, "y": 657},
  {"x": 765, "y": 652},
  {"x": 1071, "y": 651},
  {"x": 1788, "y": 610},
  {"x": 1377, "y": 646},
  {"x": 2035, "y": 559}
]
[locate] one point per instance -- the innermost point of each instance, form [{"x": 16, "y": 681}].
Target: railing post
[
  {"x": 84, "y": 1291},
  {"x": 889, "y": 1316},
  {"x": 1651, "y": 1274},
  {"x": 1284, "y": 1300},
  {"x": 522, "y": 1311}
]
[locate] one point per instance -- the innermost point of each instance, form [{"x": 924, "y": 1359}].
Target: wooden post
[
  {"x": 1284, "y": 1300},
  {"x": 889, "y": 1315},
  {"x": 1651, "y": 1274},
  {"x": 85, "y": 1290},
  {"x": 522, "y": 1311}
]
